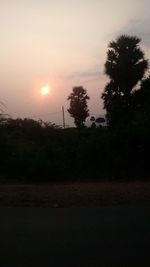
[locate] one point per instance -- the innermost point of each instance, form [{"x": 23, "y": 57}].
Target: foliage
[
  {"x": 92, "y": 118},
  {"x": 125, "y": 66},
  {"x": 78, "y": 106},
  {"x": 142, "y": 101},
  {"x": 31, "y": 152},
  {"x": 100, "y": 120}
]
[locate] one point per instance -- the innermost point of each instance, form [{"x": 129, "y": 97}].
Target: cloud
[{"x": 91, "y": 74}]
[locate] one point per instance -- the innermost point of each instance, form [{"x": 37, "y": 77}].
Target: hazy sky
[{"x": 62, "y": 43}]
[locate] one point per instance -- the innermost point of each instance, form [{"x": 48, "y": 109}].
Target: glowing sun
[{"x": 45, "y": 90}]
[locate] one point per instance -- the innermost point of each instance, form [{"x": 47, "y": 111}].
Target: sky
[{"x": 61, "y": 43}]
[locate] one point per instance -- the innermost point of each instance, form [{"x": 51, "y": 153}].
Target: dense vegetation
[{"x": 34, "y": 151}]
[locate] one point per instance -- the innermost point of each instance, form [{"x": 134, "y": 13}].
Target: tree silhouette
[
  {"x": 145, "y": 96},
  {"x": 142, "y": 101},
  {"x": 78, "y": 105},
  {"x": 100, "y": 120},
  {"x": 92, "y": 119},
  {"x": 125, "y": 67}
]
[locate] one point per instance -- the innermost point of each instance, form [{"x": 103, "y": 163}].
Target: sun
[{"x": 45, "y": 90}]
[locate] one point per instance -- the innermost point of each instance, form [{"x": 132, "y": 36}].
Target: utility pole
[{"x": 63, "y": 114}]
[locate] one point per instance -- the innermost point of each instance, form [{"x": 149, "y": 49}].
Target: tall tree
[
  {"x": 78, "y": 105},
  {"x": 142, "y": 102},
  {"x": 125, "y": 66}
]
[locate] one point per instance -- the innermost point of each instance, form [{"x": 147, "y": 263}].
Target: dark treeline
[{"x": 35, "y": 151}]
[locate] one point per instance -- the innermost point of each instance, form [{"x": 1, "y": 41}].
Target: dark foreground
[
  {"x": 106, "y": 236},
  {"x": 75, "y": 194}
]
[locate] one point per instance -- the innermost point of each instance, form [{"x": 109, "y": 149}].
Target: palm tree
[
  {"x": 125, "y": 66},
  {"x": 78, "y": 105}
]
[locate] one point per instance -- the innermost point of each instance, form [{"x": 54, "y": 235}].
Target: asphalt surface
[{"x": 74, "y": 237}]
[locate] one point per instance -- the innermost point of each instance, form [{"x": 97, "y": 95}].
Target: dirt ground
[{"x": 75, "y": 194}]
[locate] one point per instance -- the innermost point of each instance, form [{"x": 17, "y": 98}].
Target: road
[{"x": 74, "y": 237}]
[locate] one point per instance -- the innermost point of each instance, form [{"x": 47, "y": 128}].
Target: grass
[{"x": 90, "y": 193}]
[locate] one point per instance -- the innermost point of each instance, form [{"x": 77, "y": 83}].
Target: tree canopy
[
  {"x": 78, "y": 105},
  {"x": 125, "y": 66}
]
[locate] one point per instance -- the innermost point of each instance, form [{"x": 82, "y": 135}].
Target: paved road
[{"x": 74, "y": 237}]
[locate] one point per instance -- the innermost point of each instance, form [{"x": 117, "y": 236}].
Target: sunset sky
[{"x": 61, "y": 44}]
